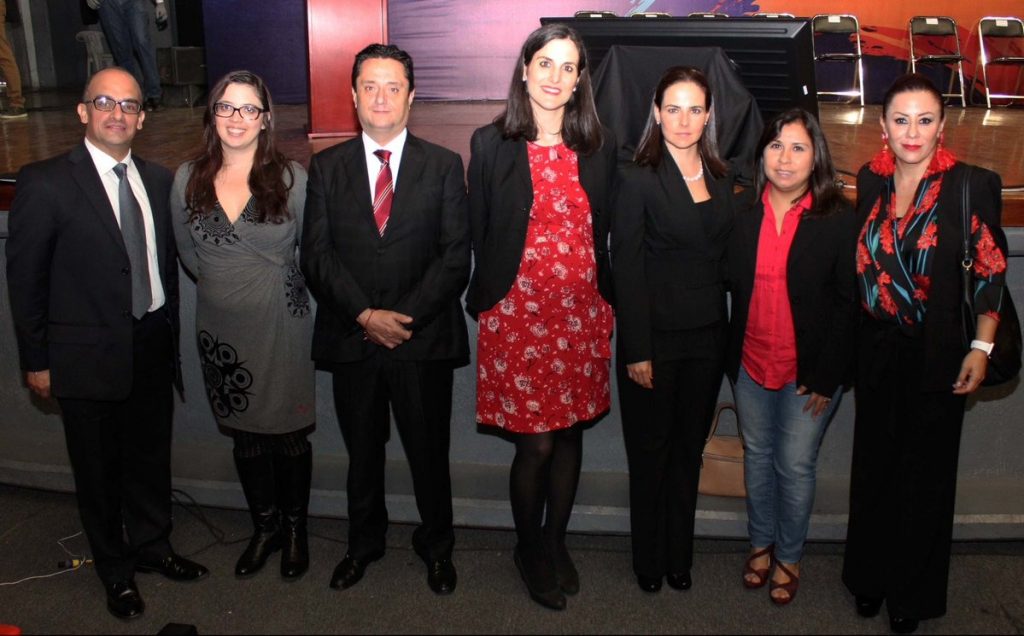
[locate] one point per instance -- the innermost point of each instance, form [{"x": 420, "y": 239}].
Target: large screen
[{"x": 774, "y": 57}]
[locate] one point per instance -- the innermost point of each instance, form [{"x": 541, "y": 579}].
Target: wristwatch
[{"x": 983, "y": 346}]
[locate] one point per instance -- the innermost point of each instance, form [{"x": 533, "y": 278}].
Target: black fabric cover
[{"x": 624, "y": 86}]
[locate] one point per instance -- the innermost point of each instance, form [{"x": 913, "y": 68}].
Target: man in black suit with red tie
[
  {"x": 386, "y": 252},
  {"x": 93, "y": 282}
]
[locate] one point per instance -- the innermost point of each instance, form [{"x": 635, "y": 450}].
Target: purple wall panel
[
  {"x": 267, "y": 38},
  {"x": 465, "y": 50}
]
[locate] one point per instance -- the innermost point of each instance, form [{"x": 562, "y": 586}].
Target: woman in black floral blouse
[{"x": 914, "y": 373}]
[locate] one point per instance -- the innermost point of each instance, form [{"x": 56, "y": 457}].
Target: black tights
[
  {"x": 544, "y": 476},
  {"x": 251, "y": 445}
]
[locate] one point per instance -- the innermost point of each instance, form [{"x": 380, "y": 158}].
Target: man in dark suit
[
  {"x": 386, "y": 253},
  {"x": 93, "y": 283}
]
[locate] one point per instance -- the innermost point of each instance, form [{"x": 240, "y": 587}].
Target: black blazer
[
  {"x": 943, "y": 347},
  {"x": 419, "y": 267},
  {"x": 69, "y": 278},
  {"x": 820, "y": 275},
  {"x": 500, "y": 198},
  {"x": 668, "y": 267}
]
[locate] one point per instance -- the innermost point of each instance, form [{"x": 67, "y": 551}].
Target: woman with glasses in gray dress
[{"x": 238, "y": 216}]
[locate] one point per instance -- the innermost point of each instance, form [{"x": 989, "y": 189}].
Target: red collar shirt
[{"x": 769, "y": 344}]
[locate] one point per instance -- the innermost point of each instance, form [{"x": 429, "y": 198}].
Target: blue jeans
[
  {"x": 126, "y": 25},
  {"x": 781, "y": 444}
]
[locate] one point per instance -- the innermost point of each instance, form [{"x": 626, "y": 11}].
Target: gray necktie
[{"x": 134, "y": 232}]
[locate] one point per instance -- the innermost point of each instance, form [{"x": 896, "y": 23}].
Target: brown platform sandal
[
  {"x": 762, "y": 573},
  {"x": 790, "y": 586}
]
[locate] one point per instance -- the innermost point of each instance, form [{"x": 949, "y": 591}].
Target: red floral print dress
[{"x": 543, "y": 351}]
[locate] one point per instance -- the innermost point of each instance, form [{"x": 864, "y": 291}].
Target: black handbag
[{"x": 1004, "y": 363}]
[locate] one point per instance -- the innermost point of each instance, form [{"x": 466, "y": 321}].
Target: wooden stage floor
[{"x": 989, "y": 138}]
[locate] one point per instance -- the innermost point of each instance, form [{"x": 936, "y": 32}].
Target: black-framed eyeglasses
[
  {"x": 247, "y": 111},
  {"x": 107, "y": 104}
]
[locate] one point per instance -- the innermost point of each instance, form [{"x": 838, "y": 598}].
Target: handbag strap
[
  {"x": 723, "y": 406},
  {"x": 967, "y": 261},
  {"x": 965, "y": 217}
]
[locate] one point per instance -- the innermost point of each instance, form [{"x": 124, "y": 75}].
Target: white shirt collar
[{"x": 104, "y": 162}]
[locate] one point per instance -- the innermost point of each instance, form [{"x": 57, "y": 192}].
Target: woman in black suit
[
  {"x": 914, "y": 371},
  {"x": 539, "y": 182},
  {"x": 672, "y": 218},
  {"x": 793, "y": 309}
]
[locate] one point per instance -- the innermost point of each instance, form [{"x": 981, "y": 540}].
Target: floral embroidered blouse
[{"x": 895, "y": 255}]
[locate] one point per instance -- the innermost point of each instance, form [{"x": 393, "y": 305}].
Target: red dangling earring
[{"x": 885, "y": 143}]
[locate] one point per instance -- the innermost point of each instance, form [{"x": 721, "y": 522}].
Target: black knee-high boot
[
  {"x": 294, "y": 476},
  {"x": 257, "y": 477}
]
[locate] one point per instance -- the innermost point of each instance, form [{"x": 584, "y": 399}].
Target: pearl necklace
[{"x": 696, "y": 176}]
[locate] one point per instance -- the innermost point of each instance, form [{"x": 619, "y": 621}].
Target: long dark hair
[
  {"x": 650, "y": 150},
  {"x": 826, "y": 197},
  {"x": 266, "y": 180},
  {"x": 581, "y": 129}
]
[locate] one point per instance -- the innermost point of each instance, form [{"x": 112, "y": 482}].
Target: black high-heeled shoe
[{"x": 538, "y": 574}]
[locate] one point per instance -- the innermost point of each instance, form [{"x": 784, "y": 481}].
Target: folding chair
[
  {"x": 937, "y": 33},
  {"x": 841, "y": 24},
  {"x": 1010, "y": 32}
]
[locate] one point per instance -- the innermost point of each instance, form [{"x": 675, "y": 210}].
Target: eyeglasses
[
  {"x": 247, "y": 111},
  {"x": 107, "y": 104}
]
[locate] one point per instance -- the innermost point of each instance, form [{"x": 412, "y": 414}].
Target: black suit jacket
[
  {"x": 668, "y": 267},
  {"x": 944, "y": 349},
  {"x": 820, "y": 277},
  {"x": 419, "y": 267},
  {"x": 500, "y": 198},
  {"x": 69, "y": 278}
]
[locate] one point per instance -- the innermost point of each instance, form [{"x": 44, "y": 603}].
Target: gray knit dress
[{"x": 253, "y": 320}]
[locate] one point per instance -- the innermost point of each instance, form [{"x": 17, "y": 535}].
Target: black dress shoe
[
  {"x": 174, "y": 567},
  {"x": 124, "y": 601},
  {"x": 649, "y": 584},
  {"x": 154, "y": 104},
  {"x": 868, "y": 606},
  {"x": 681, "y": 581},
  {"x": 441, "y": 576},
  {"x": 900, "y": 625},
  {"x": 538, "y": 574},
  {"x": 351, "y": 570}
]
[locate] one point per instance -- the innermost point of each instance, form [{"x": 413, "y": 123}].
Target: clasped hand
[{"x": 386, "y": 328}]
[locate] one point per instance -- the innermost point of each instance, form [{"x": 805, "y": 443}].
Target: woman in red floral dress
[
  {"x": 914, "y": 372},
  {"x": 539, "y": 180}
]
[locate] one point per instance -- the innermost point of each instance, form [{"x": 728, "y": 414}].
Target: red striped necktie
[{"x": 384, "y": 191}]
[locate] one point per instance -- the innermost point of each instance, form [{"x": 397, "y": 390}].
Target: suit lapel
[
  {"x": 413, "y": 162},
  {"x": 807, "y": 233},
  {"x": 89, "y": 181},
  {"x": 521, "y": 164},
  {"x": 354, "y": 165}
]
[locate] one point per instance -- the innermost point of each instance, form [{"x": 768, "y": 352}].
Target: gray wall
[{"x": 991, "y": 489}]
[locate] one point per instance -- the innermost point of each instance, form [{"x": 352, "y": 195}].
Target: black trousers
[
  {"x": 906, "y": 446},
  {"x": 664, "y": 430},
  {"x": 120, "y": 455},
  {"x": 420, "y": 395}
]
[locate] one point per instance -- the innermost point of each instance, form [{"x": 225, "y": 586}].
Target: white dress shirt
[
  {"x": 373, "y": 164},
  {"x": 105, "y": 167}
]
